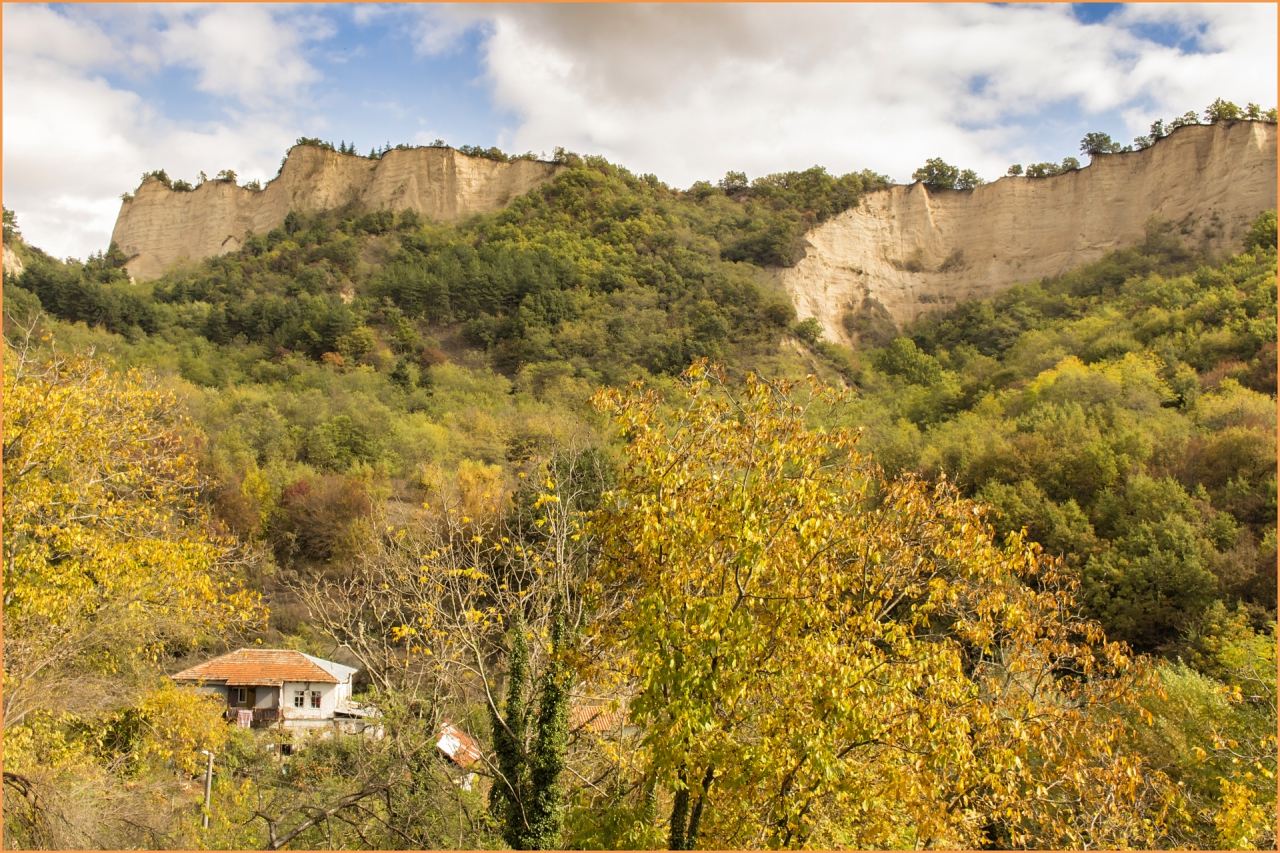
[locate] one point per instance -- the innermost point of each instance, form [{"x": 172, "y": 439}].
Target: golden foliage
[
  {"x": 821, "y": 657},
  {"x": 108, "y": 556}
]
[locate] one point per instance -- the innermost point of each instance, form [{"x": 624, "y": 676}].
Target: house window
[
  {"x": 239, "y": 695},
  {"x": 315, "y": 698},
  {"x": 299, "y": 698}
]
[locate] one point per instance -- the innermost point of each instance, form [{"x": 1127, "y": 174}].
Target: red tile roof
[
  {"x": 258, "y": 667},
  {"x": 596, "y": 718}
]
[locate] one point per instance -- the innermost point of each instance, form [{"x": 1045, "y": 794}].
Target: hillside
[
  {"x": 912, "y": 250},
  {"x": 417, "y": 440},
  {"x": 159, "y": 225}
]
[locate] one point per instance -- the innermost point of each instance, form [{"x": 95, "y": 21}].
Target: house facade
[{"x": 264, "y": 687}]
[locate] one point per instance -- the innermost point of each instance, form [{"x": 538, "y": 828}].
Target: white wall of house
[{"x": 329, "y": 697}]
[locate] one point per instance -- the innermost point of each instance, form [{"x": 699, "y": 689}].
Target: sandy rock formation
[
  {"x": 159, "y": 226},
  {"x": 12, "y": 264},
  {"x": 910, "y": 250}
]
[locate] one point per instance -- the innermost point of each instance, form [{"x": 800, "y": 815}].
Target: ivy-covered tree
[{"x": 527, "y": 796}]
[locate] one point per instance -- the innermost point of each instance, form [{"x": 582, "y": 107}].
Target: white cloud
[
  {"x": 243, "y": 52},
  {"x": 683, "y": 91},
  {"x": 688, "y": 91},
  {"x": 438, "y": 30},
  {"x": 74, "y": 140}
]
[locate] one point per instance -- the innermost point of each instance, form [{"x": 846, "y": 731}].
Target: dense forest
[{"x": 1020, "y": 559}]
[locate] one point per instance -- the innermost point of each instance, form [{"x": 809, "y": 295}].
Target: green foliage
[
  {"x": 1214, "y": 726},
  {"x": 809, "y": 330},
  {"x": 1262, "y": 233},
  {"x": 161, "y": 176},
  {"x": 1048, "y": 170},
  {"x": 492, "y": 153},
  {"x": 1124, "y": 415},
  {"x": 1221, "y": 110},
  {"x": 314, "y": 142},
  {"x": 527, "y": 795},
  {"x": 733, "y": 181},
  {"x": 1097, "y": 143},
  {"x": 936, "y": 172},
  {"x": 968, "y": 180},
  {"x": 939, "y": 174}
]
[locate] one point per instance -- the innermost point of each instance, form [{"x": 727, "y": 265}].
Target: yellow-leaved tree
[
  {"x": 818, "y": 656},
  {"x": 110, "y": 562}
]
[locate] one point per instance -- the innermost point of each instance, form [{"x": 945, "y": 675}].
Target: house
[{"x": 264, "y": 687}]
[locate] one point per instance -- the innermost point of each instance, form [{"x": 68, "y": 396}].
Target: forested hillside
[{"x": 375, "y": 432}]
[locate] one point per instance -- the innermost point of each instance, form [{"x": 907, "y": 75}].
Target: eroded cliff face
[
  {"x": 909, "y": 250},
  {"x": 159, "y": 227}
]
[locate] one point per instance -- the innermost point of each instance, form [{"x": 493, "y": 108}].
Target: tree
[
  {"x": 969, "y": 180},
  {"x": 11, "y": 229},
  {"x": 809, "y": 330},
  {"x": 1015, "y": 170},
  {"x": 1097, "y": 143},
  {"x": 111, "y": 565},
  {"x": 1221, "y": 110},
  {"x": 936, "y": 172},
  {"x": 100, "y": 500},
  {"x": 476, "y": 576},
  {"x": 824, "y": 657},
  {"x": 227, "y": 176},
  {"x": 733, "y": 181},
  {"x": 527, "y": 795}
]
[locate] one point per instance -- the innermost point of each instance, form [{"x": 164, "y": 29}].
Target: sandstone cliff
[
  {"x": 12, "y": 264},
  {"x": 910, "y": 250},
  {"x": 159, "y": 226}
]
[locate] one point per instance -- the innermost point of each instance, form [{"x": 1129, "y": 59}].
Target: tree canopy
[{"x": 825, "y": 657}]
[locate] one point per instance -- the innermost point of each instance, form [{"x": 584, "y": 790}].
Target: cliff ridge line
[
  {"x": 159, "y": 226},
  {"x": 909, "y": 250}
]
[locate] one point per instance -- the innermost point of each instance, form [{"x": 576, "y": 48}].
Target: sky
[{"x": 95, "y": 95}]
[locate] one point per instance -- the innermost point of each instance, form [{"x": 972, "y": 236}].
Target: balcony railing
[{"x": 260, "y": 715}]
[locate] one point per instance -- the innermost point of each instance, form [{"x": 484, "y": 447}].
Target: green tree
[
  {"x": 1221, "y": 110},
  {"x": 968, "y": 180},
  {"x": 936, "y": 172},
  {"x": 1097, "y": 143},
  {"x": 528, "y": 795},
  {"x": 733, "y": 181},
  {"x": 10, "y": 225}
]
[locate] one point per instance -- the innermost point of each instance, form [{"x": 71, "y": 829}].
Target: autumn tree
[
  {"x": 111, "y": 565},
  {"x": 481, "y": 584},
  {"x": 819, "y": 656}
]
